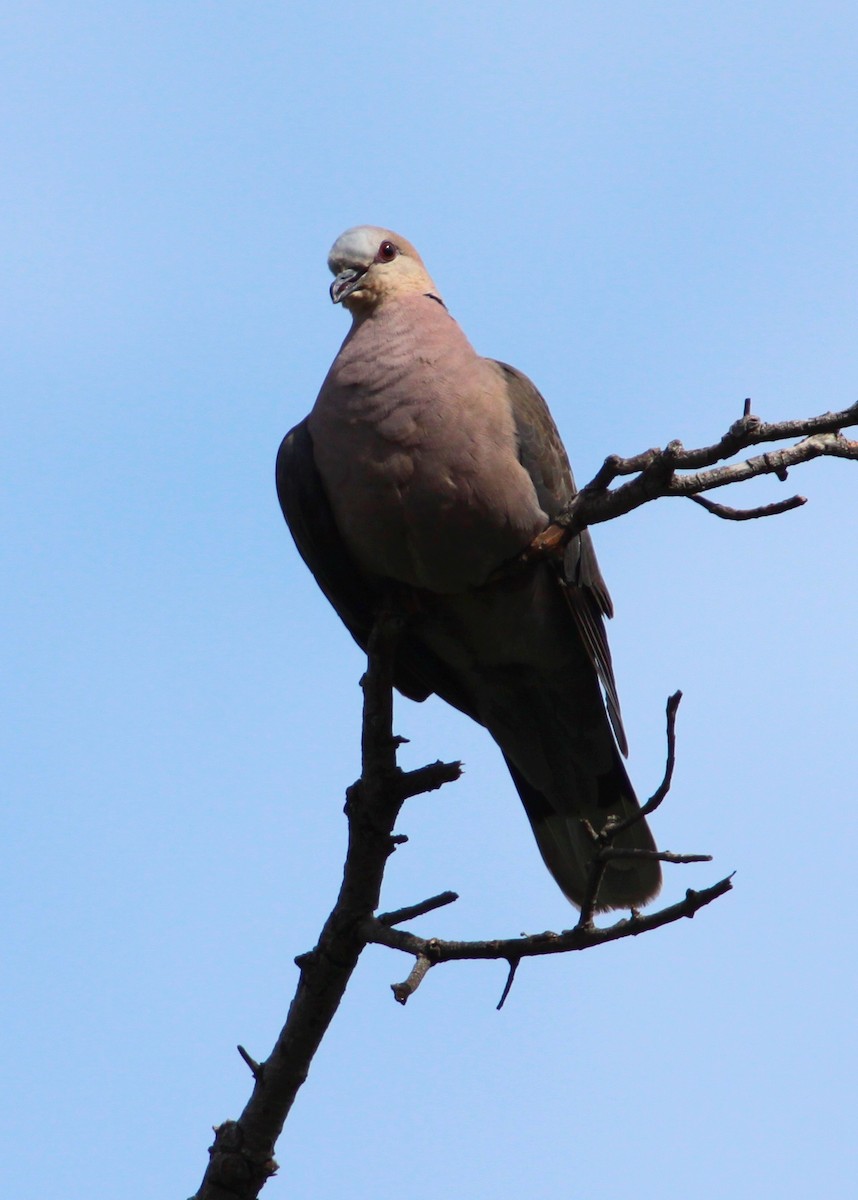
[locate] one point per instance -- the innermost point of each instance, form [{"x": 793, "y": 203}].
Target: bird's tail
[{"x": 568, "y": 848}]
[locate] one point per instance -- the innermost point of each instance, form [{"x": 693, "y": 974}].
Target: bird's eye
[{"x": 386, "y": 252}]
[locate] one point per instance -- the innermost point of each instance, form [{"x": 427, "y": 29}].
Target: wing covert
[{"x": 542, "y": 453}]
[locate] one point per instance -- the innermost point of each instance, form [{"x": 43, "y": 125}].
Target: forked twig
[{"x": 675, "y": 471}]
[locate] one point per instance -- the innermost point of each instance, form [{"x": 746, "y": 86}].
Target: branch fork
[{"x": 675, "y": 471}]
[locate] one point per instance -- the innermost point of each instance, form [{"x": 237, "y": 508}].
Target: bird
[{"x": 421, "y": 472}]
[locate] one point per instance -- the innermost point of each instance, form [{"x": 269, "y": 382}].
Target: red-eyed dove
[{"x": 422, "y": 469}]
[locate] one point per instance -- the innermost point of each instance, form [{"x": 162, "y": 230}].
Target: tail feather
[
  {"x": 525, "y": 672},
  {"x": 567, "y": 848}
]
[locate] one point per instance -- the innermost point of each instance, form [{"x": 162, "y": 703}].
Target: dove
[{"x": 421, "y": 473}]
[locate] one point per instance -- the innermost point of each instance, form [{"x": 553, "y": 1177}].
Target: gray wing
[
  {"x": 355, "y": 595},
  {"x": 542, "y": 453}
]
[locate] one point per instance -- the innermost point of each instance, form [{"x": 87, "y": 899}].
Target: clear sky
[{"x": 650, "y": 208}]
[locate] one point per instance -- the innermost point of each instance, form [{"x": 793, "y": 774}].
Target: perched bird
[{"x": 423, "y": 469}]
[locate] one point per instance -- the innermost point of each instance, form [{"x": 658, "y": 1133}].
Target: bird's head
[{"x": 371, "y": 265}]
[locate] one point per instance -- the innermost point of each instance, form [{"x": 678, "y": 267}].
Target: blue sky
[{"x": 651, "y": 209}]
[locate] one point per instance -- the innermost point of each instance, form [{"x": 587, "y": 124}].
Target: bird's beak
[{"x": 345, "y": 282}]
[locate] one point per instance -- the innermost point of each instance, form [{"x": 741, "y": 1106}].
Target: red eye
[{"x": 386, "y": 252}]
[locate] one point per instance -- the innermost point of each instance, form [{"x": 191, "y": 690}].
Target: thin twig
[
  {"x": 749, "y": 514},
  {"x": 401, "y": 991},
  {"x": 667, "y": 856},
  {"x": 596, "y": 874},
  {"x": 427, "y": 779},
  {"x": 671, "y": 709},
  {"x": 513, "y": 967},
  {"x": 255, "y": 1067},
  {"x": 417, "y": 910},
  {"x": 605, "y": 837}
]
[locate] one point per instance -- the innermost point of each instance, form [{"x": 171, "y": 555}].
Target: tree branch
[
  {"x": 658, "y": 473},
  {"x": 537, "y": 944},
  {"x": 749, "y": 514},
  {"x": 428, "y": 952},
  {"x": 241, "y": 1158},
  {"x": 417, "y": 910}
]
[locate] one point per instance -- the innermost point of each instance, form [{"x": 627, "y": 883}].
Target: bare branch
[
  {"x": 417, "y": 910},
  {"x": 663, "y": 788},
  {"x": 427, "y": 779},
  {"x": 749, "y": 514},
  {"x": 513, "y": 967},
  {"x": 241, "y": 1158},
  {"x": 658, "y": 474},
  {"x": 539, "y": 944},
  {"x": 667, "y": 856},
  {"x": 401, "y": 991},
  {"x": 773, "y": 462},
  {"x": 748, "y": 431},
  {"x": 255, "y": 1067},
  {"x": 597, "y": 872}
]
